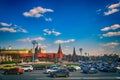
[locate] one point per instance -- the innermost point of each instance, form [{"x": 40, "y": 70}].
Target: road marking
[{"x": 80, "y": 78}]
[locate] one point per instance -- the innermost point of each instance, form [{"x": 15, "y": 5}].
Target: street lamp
[
  {"x": 81, "y": 49},
  {"x": 33, "y": 42}
]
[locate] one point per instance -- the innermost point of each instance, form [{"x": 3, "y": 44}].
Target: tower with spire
[
  {"x": 60, "y": 53},
  {"x": 74, "y": 56}
]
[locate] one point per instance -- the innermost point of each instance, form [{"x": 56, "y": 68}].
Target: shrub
[{"x": 8, "y": 62}]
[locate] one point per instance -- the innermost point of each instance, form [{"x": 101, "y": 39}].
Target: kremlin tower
[
  {"x": 40, "y": 54},
  {"x": 59, "y": 53},
  {"x": 74, "y": 56}
]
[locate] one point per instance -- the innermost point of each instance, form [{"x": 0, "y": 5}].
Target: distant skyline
[{"x": 93, "y": 25}]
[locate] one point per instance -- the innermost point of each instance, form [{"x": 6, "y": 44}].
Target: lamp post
[
  {"x": 85, "y": 56},
  {"x": 0, "y": 55},
  {"x": 81, "y": 49},
  {"x": 33, "y": 42}
]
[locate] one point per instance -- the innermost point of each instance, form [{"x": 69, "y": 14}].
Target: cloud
[
  {"x": 37, "y": 12},
  {"x": 42, "y": 46},
  {"x": 24, "y": 40},
  {"x": 47, "y": 32},
  {"x": 38, "y": 39},
  {"x": 112, "y": 9},
  {"x": 114, "y": 6},
  {"x": 22, "y": 30},
  {"x": 64, "y": 41},
  {"x": 56, "y": 33},
  {"x": 8, "y": 30},
  {"x": 113, "y": 27},
  {"x": 31, "y": 39},
  {"x": 11, "y": 28},
  {"x": 50, "y": 32},
  {"x": 99, "y": 10},
  {"x": 105, "y": 29},
  {"x": 5, "y": 24},
  {"x": 48, "y": 19},
  {"x": 110, "y": 34},
  {"x": 111, "y": 44}
]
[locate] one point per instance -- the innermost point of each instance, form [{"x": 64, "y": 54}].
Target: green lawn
[{"x": 68, "y": 64}]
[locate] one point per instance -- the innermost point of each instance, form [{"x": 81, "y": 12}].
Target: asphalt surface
[{"x": 39, "y": 75}]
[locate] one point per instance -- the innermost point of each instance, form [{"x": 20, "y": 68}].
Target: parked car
[
  {"x": 118, "y": 71},
  {"x": 103, "y": 69},
  {"x": 62, "y": 66},
  {"x": 71, "y": 69},
  {"x": 51, "y": 66},
  {"x": 14, "y": 71},
  {"x": 108, "y": 69},
  {"x": 7, "y": 67},
  {"x": 51, "y": 70},
  {"x": 118, "y": 67},
  {"x": 28, "y": 68},
  {"x": 112, "y": 69},
  {"x": 90, "y": 70},
  {"x": 39, "y": 67},
  {"x": 60, "y": 73},
  {"x": 76, "y": 67}
]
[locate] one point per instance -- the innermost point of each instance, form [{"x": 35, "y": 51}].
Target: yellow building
[
  {"x": 21, "y": 55},
  {"x": 14, "y": 55}
]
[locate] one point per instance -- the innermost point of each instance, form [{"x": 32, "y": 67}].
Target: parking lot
[{"x": 40, "y": 75}]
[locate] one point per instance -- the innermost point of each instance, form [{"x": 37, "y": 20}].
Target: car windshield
[{"x": 54, "y": 68}]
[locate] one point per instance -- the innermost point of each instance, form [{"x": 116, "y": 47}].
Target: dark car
[
  {"x": 14, "y": 71},
  {"x": 103, "y": 69},
  {"x": 39, "y": 67},
  {"x": 51, "y": 66},
  {"x": 60, "y": 73},
  {"x": 71, "y": 69},
  {"x": 90, "y": 70},
  {"x": 108, "y": 69}
]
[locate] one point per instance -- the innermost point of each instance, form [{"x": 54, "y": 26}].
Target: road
[{"x": 39, "y": 75}]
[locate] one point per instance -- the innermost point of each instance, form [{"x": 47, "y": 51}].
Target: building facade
[
  {"x": 51, "y": 56},
  {"x": 23, "y": 55}
]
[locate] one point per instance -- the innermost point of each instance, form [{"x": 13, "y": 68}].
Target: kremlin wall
[
  {"x": 39, "y": 54},
  {"x": 23, "y": 55}
]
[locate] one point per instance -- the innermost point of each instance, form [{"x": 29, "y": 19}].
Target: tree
[{"x": 81, "y": 49}]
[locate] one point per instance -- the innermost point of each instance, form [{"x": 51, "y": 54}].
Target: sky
[{"x": 93, "y": 25}]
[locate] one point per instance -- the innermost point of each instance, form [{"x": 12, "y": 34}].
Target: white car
[
  {"x": 51, "y": 70},
  {"x": 28, "y": 68},
  {"x": 77, "y": 67},
  {"x": 118, "y": 67}
]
